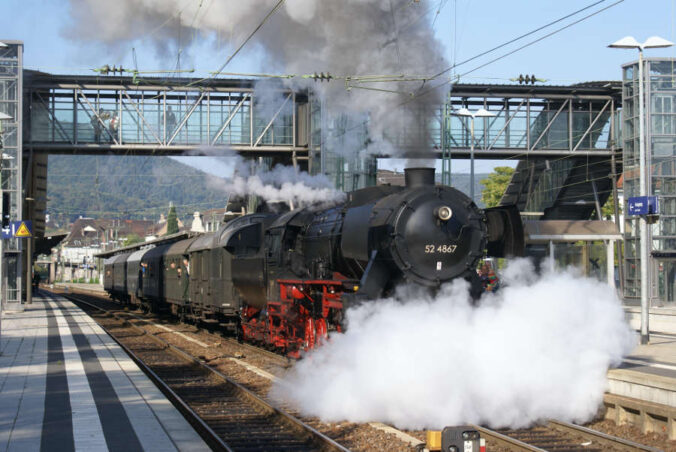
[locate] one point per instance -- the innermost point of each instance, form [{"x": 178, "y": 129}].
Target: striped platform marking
[
  {"x": 117, "y": 428},
  {"x": 158, "y": 425},
  {"x": 87, "y": 428},
  {"x": 647, "y": 363}
]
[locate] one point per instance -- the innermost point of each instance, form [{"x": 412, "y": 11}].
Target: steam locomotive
[{"x": 283, "y": 280}]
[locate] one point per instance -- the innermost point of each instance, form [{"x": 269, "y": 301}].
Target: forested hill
[
  {"x": 127, "y": 187},
  {"x": 142, "y": 187}
]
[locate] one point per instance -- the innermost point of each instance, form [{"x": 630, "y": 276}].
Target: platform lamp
[
  {"x": 3, "y": 157},
  {"x": 653, "y": 42},
  {"x": 480, "y": 113}
]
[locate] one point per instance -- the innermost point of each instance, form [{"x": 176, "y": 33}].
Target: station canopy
[{"x": 570, "y": 231}]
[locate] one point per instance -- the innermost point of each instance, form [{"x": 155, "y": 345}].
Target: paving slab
[{"x": 66, "y": 385}]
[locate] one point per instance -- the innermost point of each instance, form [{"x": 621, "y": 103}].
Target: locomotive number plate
[{"x": 430, "y": 249}]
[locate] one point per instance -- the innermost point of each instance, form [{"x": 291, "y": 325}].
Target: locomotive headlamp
[{"x": 444, "y": 213}]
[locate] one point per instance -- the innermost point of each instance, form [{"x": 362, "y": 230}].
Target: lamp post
[
  {"x": 480, "y": 113},
  {"x": 3, "y": 117},
  {"x": 653, "y": 42}
]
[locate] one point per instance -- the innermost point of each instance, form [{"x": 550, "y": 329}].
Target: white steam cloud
[
  {"x": 538, "y": 348},
  {"x": 279, "y": 184},
  {"x": 390, "y": 39},
  {"x": 284, "y": 183}
]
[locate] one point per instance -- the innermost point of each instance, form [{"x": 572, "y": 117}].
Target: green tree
[
  {"x": 495, "y": 185},
  {"x": 608, "y": 209},
  {"x": 172, "y": 222}
]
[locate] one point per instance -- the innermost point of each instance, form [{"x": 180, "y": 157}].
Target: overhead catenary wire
[
  {"x": 442, "y": 4},
  {"x": 558, "y": 30},
  {"x": 518, "y": 38},
  {"x": 421, "y": 93},
  {"x": 251, "y": 35},
  {"x": 233, "y": 55}
]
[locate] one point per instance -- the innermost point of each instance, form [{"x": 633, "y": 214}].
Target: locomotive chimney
[{"x": 419, "y": 177}]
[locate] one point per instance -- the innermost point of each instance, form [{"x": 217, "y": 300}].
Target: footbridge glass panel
[
  {"x": 89, "y": 114},
  {"x": 77, "y": 114},
  {"x": 538, "y": 126}
]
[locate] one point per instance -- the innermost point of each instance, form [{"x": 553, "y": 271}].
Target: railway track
[
  {"x": 560, "y": 437},
  {"x": 228, "y": 416},
  {"x": 552, "y": 436},
  {"x": 98, "y": 297}
]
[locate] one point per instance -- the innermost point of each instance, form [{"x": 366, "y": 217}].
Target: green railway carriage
[
  {"x": 135, "y": 276},
  {"x": 175, "y": 279},
  {"x": 114, "y": 278},
  {"x": 153, "y": 279}
]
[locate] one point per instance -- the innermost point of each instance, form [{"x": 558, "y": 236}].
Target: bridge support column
[
  {"x": 552, "y": 258},
  {"x": 29, "y": 270},
  {"x": 610, "y": 261}
]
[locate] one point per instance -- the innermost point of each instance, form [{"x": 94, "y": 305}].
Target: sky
[{"x": 466, "y": 28}]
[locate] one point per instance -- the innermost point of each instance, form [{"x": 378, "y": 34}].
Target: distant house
[
  {"x": 213, "y": 219},
  {"x": 160, "y": 228},
  {"x": 89, "y": 236}
]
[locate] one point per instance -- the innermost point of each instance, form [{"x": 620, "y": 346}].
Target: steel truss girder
[
  {"x": 133, "y": 101},
  {"x": 535, "y": 106},
  {"x": 230, "y": 118},
  {"x": 143, "y": 119},
  {"x": 267, "y": 127}
]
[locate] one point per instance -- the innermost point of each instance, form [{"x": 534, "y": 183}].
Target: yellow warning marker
[
  {"x": 433, "y": 440},
  {"x": 23, "y": 231}
]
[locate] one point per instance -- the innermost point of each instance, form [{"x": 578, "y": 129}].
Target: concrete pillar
[
  {"x": 585, "y": 259},
  {"x": 29, "y": 270},
  {"x": 610, "y": 264},
  {"x": 52, "y": 272},
  {"x": 552, "y": 260}
]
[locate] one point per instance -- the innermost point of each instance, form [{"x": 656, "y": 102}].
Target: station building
[
  {"x": 11, "y": 161},
  {"x": 660, "y": 144}
]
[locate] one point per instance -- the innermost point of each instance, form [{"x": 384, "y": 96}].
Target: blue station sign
[
  {"x": 642, "y": 205},
  {"x": 18, "y": 229}
]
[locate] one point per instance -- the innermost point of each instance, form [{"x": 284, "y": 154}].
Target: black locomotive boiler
[{"x": 283, "y": 279}]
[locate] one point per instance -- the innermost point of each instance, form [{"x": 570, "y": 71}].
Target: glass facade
[
  {"x": 11, "y": 82},
  {"x": 660, "y": 145},
  {"x": 337, "y": 147},
  {"x": 520, "y": 125},
  {"x": 181, "y": 117}
]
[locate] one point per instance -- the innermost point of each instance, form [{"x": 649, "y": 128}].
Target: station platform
[
  {"x": 647, "y": 375},
  {"x": 66, "y": 385},
  {"x": 649, "y": 372},
  {"x": 94, "y": 288}
]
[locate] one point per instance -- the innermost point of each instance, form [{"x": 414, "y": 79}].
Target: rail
[
  {"x": 561, "y": 436},
  {"x": 212, "y": 429}
]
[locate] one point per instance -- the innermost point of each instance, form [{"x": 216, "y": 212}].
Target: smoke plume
[
  {"x": 283, "y": 183},
  {"x": 390, "y": 39},
  {"x": 538, "y": 348},
  {"x": 280, "y": 183}
]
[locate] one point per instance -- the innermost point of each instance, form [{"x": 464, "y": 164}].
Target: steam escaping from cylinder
[
  {"x": 371, "y": 57},
  {"x": 538, "y": 348}
]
